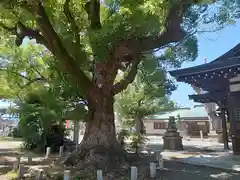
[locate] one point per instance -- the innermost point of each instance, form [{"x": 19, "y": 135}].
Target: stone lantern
[{"x": 171, "y": 139}]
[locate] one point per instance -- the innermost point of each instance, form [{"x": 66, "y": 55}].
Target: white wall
[{"x": 149, "y": 125}]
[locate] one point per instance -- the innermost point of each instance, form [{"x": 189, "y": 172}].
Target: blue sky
[{"x": 211, "y": 45}]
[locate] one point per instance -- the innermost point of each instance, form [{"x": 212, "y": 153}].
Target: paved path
[
  {"x": 221, "y": 160},
  {"x": 209, "y": 143},
  {"x": 205, "y": 152},
  {"x": 9, "y": 145},
  {"x": 180, "y": 171}
]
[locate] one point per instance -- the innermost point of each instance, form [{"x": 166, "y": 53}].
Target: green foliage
[
  {"x": 31, "y": 69},
  {"x": 137, "y": 140},
  {"x": 148, "y": 93},
  {"x": 174, "y": 55},
  {"x": 16, "y": 133},
  {"x": 40, "y": 120},
  {"x": 120, "y": 20},
  {"x": 42, "y": 94}
]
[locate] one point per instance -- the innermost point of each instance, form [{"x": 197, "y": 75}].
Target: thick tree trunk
[
  {"x": 100, "y": 130},
  {"x": 99, "y": 146}
]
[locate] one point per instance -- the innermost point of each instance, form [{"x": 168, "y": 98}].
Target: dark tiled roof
[{"x": 229, "y": 59}]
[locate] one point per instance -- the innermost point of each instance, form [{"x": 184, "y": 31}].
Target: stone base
[
  {"x": 172, "y": 143},
  {"x": 171, "y": 134},
  {"x": 213, "y": 134}
]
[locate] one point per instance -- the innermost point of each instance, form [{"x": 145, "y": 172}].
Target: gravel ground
[
  {"x": 181, "y": 171},
  {"x": 174, "y": 170}
]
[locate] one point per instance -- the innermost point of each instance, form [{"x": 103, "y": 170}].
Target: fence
[{"x": 153, "y": 167}]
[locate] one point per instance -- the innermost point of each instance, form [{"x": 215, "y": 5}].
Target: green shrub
[
  {"x": 137, "y": 140},
  {"x": 40, "y": 124}
]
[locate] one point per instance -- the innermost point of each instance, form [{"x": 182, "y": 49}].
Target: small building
[{"x": 190, "y": 121}]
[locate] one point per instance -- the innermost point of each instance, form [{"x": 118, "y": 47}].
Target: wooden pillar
[
  {"x": 228, "y": 118},
  {"x": 234, "y": 111},
  {"x": 224, "y": 128}
]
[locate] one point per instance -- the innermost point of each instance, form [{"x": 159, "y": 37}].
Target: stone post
[
  {"x": 99, "y": 175},
  {"x": 61, "y": 151},
  {"x": 48, "y": 152},
  {"x": 160, "y": 162},
  {"x": 39, "y": 174},
  {"x": 20, "y": 172},
  {"x": 66, "y": 175},
  {"x": 134, "y": 173},
  {"x": 153, "y": 170}
]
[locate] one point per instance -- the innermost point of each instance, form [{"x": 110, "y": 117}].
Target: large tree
[{"x": 103, "y": 38}]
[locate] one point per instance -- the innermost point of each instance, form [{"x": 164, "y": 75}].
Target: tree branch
[
  {"x": 55, "y": 45},
  {"x": 33, "y": 81},
  {"x": 18, "y": 74},
  {"x": 92, "y": 8},
  {"x": 173, "y": 31},
  {"x": 30, "y": 81},
  {"x": 21, "y": 31},
  {"x": 38, "y": 72},
  {"x": 122, "y": 84},
  {"x": 70, "y": 18}
]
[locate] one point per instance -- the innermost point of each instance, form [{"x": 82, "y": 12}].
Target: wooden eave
[{"x": 228, "y": 60}]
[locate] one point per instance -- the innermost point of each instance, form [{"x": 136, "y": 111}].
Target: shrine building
[{"x": 218, "y": 82}]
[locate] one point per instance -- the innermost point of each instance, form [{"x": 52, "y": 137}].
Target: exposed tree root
[{"x": 98, "y": 156}]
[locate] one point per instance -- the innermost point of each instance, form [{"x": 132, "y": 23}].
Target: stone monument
[{"x": 171, "y": 139}]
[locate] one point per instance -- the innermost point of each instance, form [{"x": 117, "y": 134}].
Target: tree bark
[
  {"x": 139, "y": 126},
  {"x": 76, "y": 132},
  {"x": 99, "y": 146}
]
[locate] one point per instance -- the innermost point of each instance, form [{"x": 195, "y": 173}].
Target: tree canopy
[
  {"x": 31, "y": 72},
  {"x": 79, "y": 34}
]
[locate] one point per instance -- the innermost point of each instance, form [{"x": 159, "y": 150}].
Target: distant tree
[
  {"x": 148, "y": 94},
  {"x": 28, "y": 82}
]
